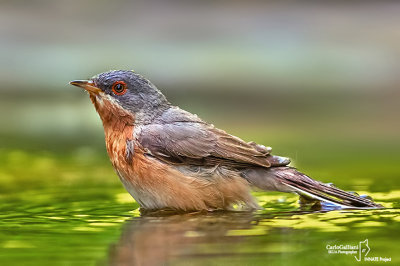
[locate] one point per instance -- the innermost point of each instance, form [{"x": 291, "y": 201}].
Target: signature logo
[{"x": 360, "y": 251}]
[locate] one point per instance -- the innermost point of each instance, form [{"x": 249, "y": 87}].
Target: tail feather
[{"x": 288, "y": 179}]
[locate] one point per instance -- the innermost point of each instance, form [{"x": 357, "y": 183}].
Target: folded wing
[{"x": 199, "y": 143}]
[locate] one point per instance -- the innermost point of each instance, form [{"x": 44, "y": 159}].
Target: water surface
[{"x": 79, "y": 217}]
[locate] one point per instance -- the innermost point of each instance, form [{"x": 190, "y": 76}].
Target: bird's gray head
[{"x": 126, "y": 92}]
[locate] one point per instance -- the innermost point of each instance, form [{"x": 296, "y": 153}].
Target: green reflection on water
[{"x": 78, "y": 213}]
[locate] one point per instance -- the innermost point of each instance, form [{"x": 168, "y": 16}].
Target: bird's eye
[{"x": 119, "y": 88}]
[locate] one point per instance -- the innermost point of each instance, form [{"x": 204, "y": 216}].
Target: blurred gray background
[{"x": 273, "y": 72}]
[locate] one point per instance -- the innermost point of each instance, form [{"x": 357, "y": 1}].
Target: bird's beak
[{"x": 87, "y": 85}]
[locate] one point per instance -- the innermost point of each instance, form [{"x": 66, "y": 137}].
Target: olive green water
[{"x": 69, "y": 208}]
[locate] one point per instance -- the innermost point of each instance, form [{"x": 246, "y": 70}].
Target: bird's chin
[{"x": 98, "y": 95}]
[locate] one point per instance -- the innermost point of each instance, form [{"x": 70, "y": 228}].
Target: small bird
[{"x": 168, "y": 158}]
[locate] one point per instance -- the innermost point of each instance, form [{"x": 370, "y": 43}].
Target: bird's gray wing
[{"x": 198, "y": 143}]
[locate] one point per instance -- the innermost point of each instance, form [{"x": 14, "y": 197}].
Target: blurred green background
[{"x": 317, "y": 82}]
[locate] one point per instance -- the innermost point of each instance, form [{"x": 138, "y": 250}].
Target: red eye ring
[{"x": 119, "y": 88}]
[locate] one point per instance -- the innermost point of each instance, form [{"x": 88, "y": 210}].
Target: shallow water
[{"x": 62, "y": 220}]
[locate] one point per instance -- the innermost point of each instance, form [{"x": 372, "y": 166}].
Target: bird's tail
[{"x": 288, "y": 179}]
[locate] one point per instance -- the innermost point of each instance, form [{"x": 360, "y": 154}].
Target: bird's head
[{"x": 121, "y": 93}]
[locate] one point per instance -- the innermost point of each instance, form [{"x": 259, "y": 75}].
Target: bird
[{"x": 168, "y": 158}]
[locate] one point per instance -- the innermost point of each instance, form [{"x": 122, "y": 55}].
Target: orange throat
[
  {"x": 118, "y": 127},
  {"x": 110, "y": 112}
]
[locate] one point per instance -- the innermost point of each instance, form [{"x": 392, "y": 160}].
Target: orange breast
[{"x": 155, "y": 184}]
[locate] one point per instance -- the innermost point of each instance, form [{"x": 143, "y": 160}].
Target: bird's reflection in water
[
  {"x": 156, "y": 239},
  {"x": 159, "y": 239}
]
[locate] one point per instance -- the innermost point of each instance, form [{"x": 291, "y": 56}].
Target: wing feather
[
  {"x": 180, "y": 137},
  {"x": 202, "y": 144}
]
